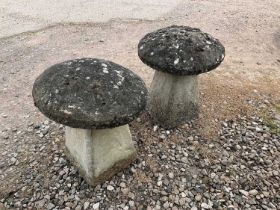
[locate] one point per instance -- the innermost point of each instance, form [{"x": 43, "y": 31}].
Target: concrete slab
[{"x": 25, "y": 15}]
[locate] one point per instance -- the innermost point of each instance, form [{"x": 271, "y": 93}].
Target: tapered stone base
[
  {"x": 100, "y": 154},
  {"x": 173, "y": 99}
]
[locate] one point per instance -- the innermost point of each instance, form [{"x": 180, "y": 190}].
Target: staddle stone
[
  {"x": 178, "y": 54},
  {"x": 95, "y": 99}
]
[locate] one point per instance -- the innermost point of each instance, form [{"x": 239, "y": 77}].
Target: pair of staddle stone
[
  {"x": 178, "y": 54},
  {"x": 95, "y": 99}
]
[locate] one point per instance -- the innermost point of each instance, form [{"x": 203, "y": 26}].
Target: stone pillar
[
  {"x": 173, "y": 99},
  {"x": 100, "y": 153}
]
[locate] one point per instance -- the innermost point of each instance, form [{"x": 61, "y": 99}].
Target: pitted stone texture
[
  {"x": 101, "y": 153},
  {"x": 173, "y": 99},
  {"x": 89, "y": 93},
  {"x": 181, "y": 50}
]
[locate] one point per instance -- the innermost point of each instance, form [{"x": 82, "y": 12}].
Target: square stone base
[{"x": 99, "y": 154}]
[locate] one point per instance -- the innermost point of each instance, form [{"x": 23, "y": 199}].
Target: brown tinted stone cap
[
  {"x": 181, "y": 50},
  {"x": 89, "y": 93}
]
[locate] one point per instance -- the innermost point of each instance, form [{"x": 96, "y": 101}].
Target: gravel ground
[
  {"x": 176, "y": 169},
  {"x": 211, "y": 163}
]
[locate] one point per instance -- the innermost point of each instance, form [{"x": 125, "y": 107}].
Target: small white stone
[
  {"x": 86, "y": 205},
  {"x": 265, "y": 193},
  {"x": 13, "y": 160},
  {"x": 159, "y": 183},
  {"x": 155, "y": 128},
  {"x": 242, "y": 167},
  {"x": 244, "y": 192},
  {"x": 238, "y": 147},
  {"x": 171, "y": 175},
  {"x": 176, "y": 61},
  {"x": 198, "y": 197},
  {"x": 205, "y": 206},
  {"x": 87, "y": 78},
  {"x": 212, "y": 175},
  {"x": 184, "y": 159},
  {"x": 166, "y": 205},
  {"x": 95, "y": 206},
  {"x": 131, "y": 203},
  {"x": 183, "y": 195},
  {"x": 71, "y": 106},
  {"x": 122, "y": 184},
  {"x": 253, "y": 192},
  {"x": 67, "y": 112},
  {"x": 110, "y": 187}
]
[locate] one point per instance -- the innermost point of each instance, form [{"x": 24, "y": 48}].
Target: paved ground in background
[
  {"x": 248, "y": 77},
  {"x": 20, "y": 16},
  {"x": 250, "y": 32}
]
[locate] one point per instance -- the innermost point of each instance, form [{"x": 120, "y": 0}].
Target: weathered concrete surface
[
  {"x": 90, "y": 93},
  {"x": 99, "y": 154},
  {"x": 181, "y": 50},
  {"x": 173, "y": 99},
  {"x": 20, "y": 16}
]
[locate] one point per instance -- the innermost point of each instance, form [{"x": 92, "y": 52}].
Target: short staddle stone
[
  {"x": 173, "y": 99},
  {"x": 89, "y": 93},
  {"x": 99, "y": 154},
  {"x": 181, "y": 50}
]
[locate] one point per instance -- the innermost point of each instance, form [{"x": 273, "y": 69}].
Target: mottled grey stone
[
  {"x": 89, "y": 93},
  {"x": 99, "y": 154},
  {"x": 181, "y": 50},
  {"x": 173, "y": 99}
]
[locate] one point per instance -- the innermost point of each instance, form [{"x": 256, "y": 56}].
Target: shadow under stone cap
[
  {"x": 89, "y": 93},
  {"x": 181, "y": 50}
]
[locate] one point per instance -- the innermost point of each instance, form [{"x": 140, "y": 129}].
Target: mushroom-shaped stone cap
[
  {"x": 89, "y": 93},
  {"x": 181, "y": 50}
]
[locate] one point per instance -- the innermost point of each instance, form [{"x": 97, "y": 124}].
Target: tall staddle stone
[{"x": 178, "y": 54}]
